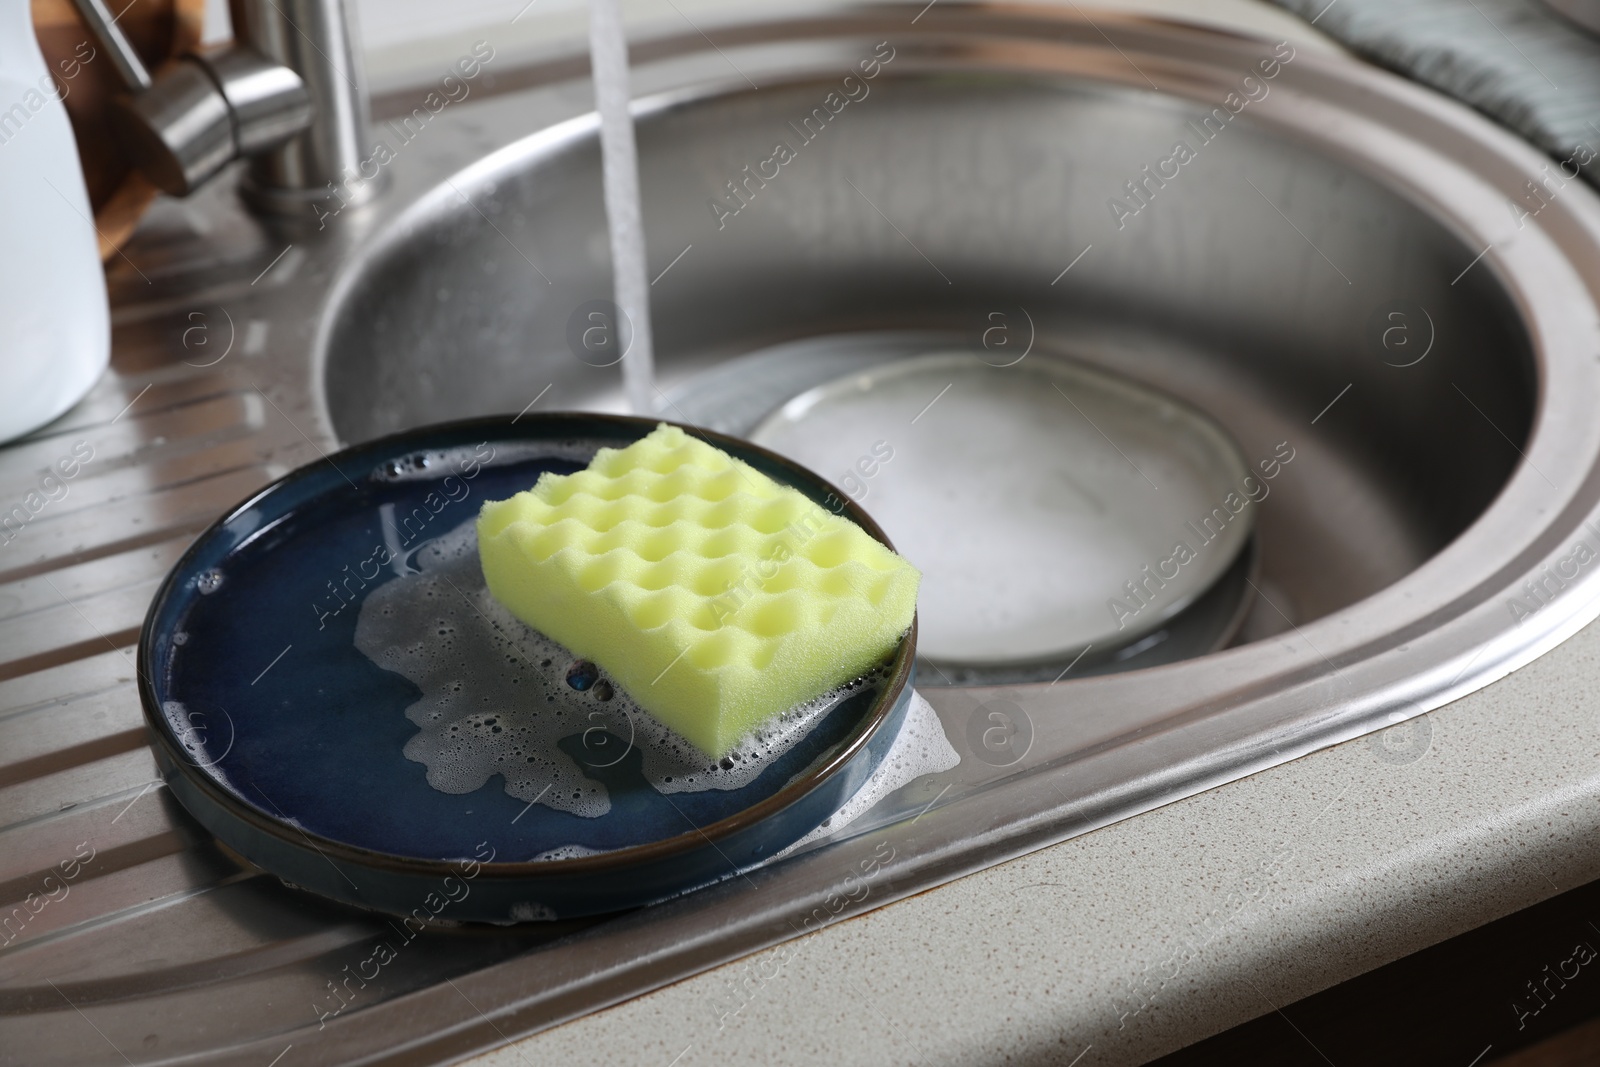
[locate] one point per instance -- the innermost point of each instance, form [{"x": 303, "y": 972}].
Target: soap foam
[
  {"x": 435, "y": 628},
  {"x": 567, "y": 852},
  {"x": 919, "y": 749},
  {"x": 436, "y": 463},
  {"x": 531, "y": 911},
  {"x": 495, "y": 700},
  {"x": 673, "y": 765}
]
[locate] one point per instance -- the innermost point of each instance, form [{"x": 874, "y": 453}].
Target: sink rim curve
[{"x": 1353, "y": 635}]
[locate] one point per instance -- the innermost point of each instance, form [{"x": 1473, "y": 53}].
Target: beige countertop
[{"x": 1142, "y": 937}]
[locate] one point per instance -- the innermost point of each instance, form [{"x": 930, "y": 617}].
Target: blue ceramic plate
[{"x": 334, "y": 694}]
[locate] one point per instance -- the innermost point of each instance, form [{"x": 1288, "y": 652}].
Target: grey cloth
[{"x": 1514, "y": 60}]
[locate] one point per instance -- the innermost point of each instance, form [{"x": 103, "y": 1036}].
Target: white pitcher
[{"x": 55, "y": 329}]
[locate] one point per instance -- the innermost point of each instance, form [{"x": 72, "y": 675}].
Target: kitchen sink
[
  {"x": 995, "y": 179},
  {"x": 1342, "y": 269}
]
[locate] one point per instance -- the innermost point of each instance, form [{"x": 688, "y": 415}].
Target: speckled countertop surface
[{"x": 1140, "y": 938}]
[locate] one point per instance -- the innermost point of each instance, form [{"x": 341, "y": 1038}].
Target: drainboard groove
[
  {"x": 71, "y": 811},
  {"x": 113, "y": 699},
  {"x": 112, "y": 395},
  {"x": 73, "y": 539},
  {"x": 101, "y": 874},
  {"x": 125, "y": 772},
  {"x": 55, "y": 657},
  {"x": 97, "y": 581},
  {"x": 88, "y": 678},
  {"x": 129, "y": 451},
  {"x": 72, "y": 755},
  {"x": 178, "y": 884},
  {"x": 42, "y": 731},
  {"x": 183, "y": 532},
  {"x": 281, "y": 955},
  {"x": 125, "y": 821}
]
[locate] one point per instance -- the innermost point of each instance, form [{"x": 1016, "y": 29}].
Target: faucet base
[{"x": 315, "y": 204}]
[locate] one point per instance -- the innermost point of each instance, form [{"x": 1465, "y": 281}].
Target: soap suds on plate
[
  {"x": 466, "y": 460},
  {"x": 496, "y": 699},
  {"x": 919, "y": 749},
  {"x": 567, "y": 852}
]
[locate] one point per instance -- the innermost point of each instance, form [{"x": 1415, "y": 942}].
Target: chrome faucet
[{"x": 288, "y": 94}]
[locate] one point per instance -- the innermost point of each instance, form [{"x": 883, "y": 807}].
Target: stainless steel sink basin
[
  {"x": 944, "y": 196},
  {"x": 1331, "y": 270}
]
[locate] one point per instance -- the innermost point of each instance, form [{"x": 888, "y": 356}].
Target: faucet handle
[
  {"x": 100, "y": 22},
  {"x": 206, "y": 110}
]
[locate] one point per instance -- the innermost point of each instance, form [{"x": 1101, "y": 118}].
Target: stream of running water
[{"x": 608, "y": 50}]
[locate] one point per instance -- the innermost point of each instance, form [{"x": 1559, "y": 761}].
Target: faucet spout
[
  {"x": 318, "y": 40},
  {"x": 288, "y": 95}
]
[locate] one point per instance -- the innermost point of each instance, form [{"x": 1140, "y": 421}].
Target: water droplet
[
  {"x": 603, "y": 691},
  {"x": 209, "y": 581}
]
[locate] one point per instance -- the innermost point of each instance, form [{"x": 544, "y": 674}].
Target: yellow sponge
[{"x": 716, "y": 597}]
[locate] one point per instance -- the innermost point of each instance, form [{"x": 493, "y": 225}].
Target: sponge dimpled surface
[{"x": 716, "y": 597}]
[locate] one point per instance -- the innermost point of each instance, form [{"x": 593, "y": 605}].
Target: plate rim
[{"x": 664, "y": 849}]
